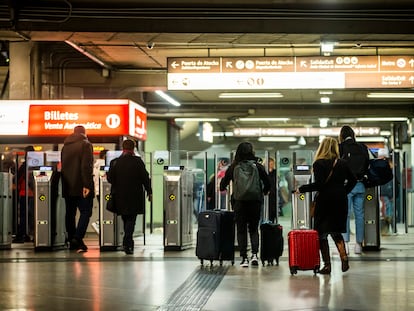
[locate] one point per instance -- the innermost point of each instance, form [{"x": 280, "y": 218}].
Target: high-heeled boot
[
  {"x": 340, "y": 245},
  {"x": 324, "y": 247}
]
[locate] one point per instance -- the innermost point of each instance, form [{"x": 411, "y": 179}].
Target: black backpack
[
  {"x": 379, "y": 173},
  {"x": 356, "y": 155},
  {"x": 247, "y": 185}
]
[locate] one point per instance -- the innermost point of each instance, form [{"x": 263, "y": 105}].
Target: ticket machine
[
  {"x": 49, "y": 209},
  {"x": 111, "y": 228},
  {"x": 301, "y": 202}
]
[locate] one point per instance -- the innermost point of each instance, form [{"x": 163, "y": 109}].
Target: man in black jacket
[
  {"x": 129, "y": 177},
  {"x": 77, "y": 185}
]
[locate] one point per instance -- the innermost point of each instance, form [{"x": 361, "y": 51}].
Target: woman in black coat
[
  {"x": 129, "y": 178},
  {"x": 331, "y": 209}
]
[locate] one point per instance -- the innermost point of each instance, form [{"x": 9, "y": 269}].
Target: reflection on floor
[{"x": 152, "y": 279}]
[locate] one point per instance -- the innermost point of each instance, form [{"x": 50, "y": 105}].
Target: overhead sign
[
  {"x": 256, "y": 73},
  {"x": 58, "y": 117}
]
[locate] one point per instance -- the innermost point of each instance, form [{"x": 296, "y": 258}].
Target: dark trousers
[
  {"x": 85, "y": 209},
  {"x": 25, "y": 224},
  {"x": 129, "y": 227},
  {"x": 247, "y": 216}
]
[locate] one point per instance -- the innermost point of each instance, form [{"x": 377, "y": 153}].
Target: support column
[{"x": 20, "y": 70}]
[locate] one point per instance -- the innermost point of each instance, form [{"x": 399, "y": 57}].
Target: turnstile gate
[
  {"x": 372, "y": 227},
  {"x": 301, "y": 202},
  {"x": 49, "y": 210},
  {"x": 6, "y": 210},
  {"x": 178, "y": 208},
  {"x": 111, "y": 228}
]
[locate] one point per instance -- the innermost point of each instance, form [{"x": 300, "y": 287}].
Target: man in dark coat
[
  {"x": 129, "y": 178},
  {"x": 77, "y": 185}
]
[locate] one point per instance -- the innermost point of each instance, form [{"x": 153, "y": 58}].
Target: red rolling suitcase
[{"x": 303, "y": 247}]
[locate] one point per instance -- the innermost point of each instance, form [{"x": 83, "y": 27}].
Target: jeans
[
  {"x": 247, "y": 216},
  {"x": 356, "y": 204},
  {"x": 85, "y": 209}
]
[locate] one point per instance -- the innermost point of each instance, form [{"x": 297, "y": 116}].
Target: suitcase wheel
[
  {"x": 202, "y": 262},
  {"x": 221, "y": 263},
  {"x": 293, "y": 270},
  {"x": 316, "y": 270},
  {"x": 232, "y": 262}
]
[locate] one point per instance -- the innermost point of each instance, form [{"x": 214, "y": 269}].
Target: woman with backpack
[{"x": 250, "y": 183}]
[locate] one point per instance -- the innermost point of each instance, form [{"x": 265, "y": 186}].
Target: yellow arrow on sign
[{"x": 172, "y": 197}]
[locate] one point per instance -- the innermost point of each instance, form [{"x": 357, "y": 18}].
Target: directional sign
[{"x": 259, "y": 73}]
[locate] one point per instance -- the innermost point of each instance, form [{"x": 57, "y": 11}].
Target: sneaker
[
  {"x": 358, "y": 248},
  {"x": 254, "y": 260},
  {"x": 244, "y": 263}
]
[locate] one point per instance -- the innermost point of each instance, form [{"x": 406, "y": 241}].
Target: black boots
[
  {"x": 324, "y": 246},
  {"x": 340, "y": 245}
]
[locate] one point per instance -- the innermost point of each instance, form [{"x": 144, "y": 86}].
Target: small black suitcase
[
  {"x": 271, "y": 242},
  {"x": 215, "y": 236}
]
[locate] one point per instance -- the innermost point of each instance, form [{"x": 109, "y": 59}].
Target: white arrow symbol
[
  {"x": 303, "y": 63},
  {"x": 411, "y": 61},
  {"x": 175, "y": 64},
  {"x": 411, "y": 79},
  {"x": 229, "y": 64}
]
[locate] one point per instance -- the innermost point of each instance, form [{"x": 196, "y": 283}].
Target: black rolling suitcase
[
  {"x": 271, "y": 238},
  {"x": 271, "y": 242},
  {"x": 215, "y": 236}
]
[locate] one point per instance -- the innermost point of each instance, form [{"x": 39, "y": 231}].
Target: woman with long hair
[{"x": 333, "y": 180}]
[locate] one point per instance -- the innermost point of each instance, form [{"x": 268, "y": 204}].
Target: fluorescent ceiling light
[
  {"x": 197, "y": 119},
  {"x": 325, "y": 92},
  {"x": 277, "y": 139},
  {"x": 220, "y": 134},
  {"x": 325, "y": 100},
  {"x": 371, "y": 139},
  {"x": 386, "y": 119},
  {"x": 262, "y": 119},
  {"x": 250, "y": 95},
  {"x": 168, "y": 98},
  {"x": 390, "y": 95}
]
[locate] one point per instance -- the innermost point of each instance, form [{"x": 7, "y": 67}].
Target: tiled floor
[{"x": 152, "y": 279}]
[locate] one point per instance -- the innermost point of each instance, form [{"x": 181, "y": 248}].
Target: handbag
[
  {"x": 110, "y": 204},
  {"x": 313, "y": 203}
]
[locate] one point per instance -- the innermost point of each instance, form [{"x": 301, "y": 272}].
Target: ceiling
[{"x": 134, "y": 39}]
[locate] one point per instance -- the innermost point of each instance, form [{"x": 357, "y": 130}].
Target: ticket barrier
[
  {"x": 111, "y": 227},
  {"x": 301, "y": 202},
  {"x": 6, "y": 210},
  {"x": 178, "y": 208},
  {"x": 372, "y": 227},
  {"x": 49, "y": 210}
]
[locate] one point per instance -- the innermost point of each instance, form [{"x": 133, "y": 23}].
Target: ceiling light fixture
[
  {"x": 262, "y": 119},
  {"x": 323, "y": 122},
  {"x": 250, "y": 95},
  {"x": 385, "y": 119},
  {"x": 168, "y": 98},
  {"x": 325, "y": 100},
  {"x": 390, "y": 95},
  {"x": 87, "y": 54},
  {"x": 277, "y": 139},
  {"x": 197, "y": 119},
  {"x": 327, "y": 48}
]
